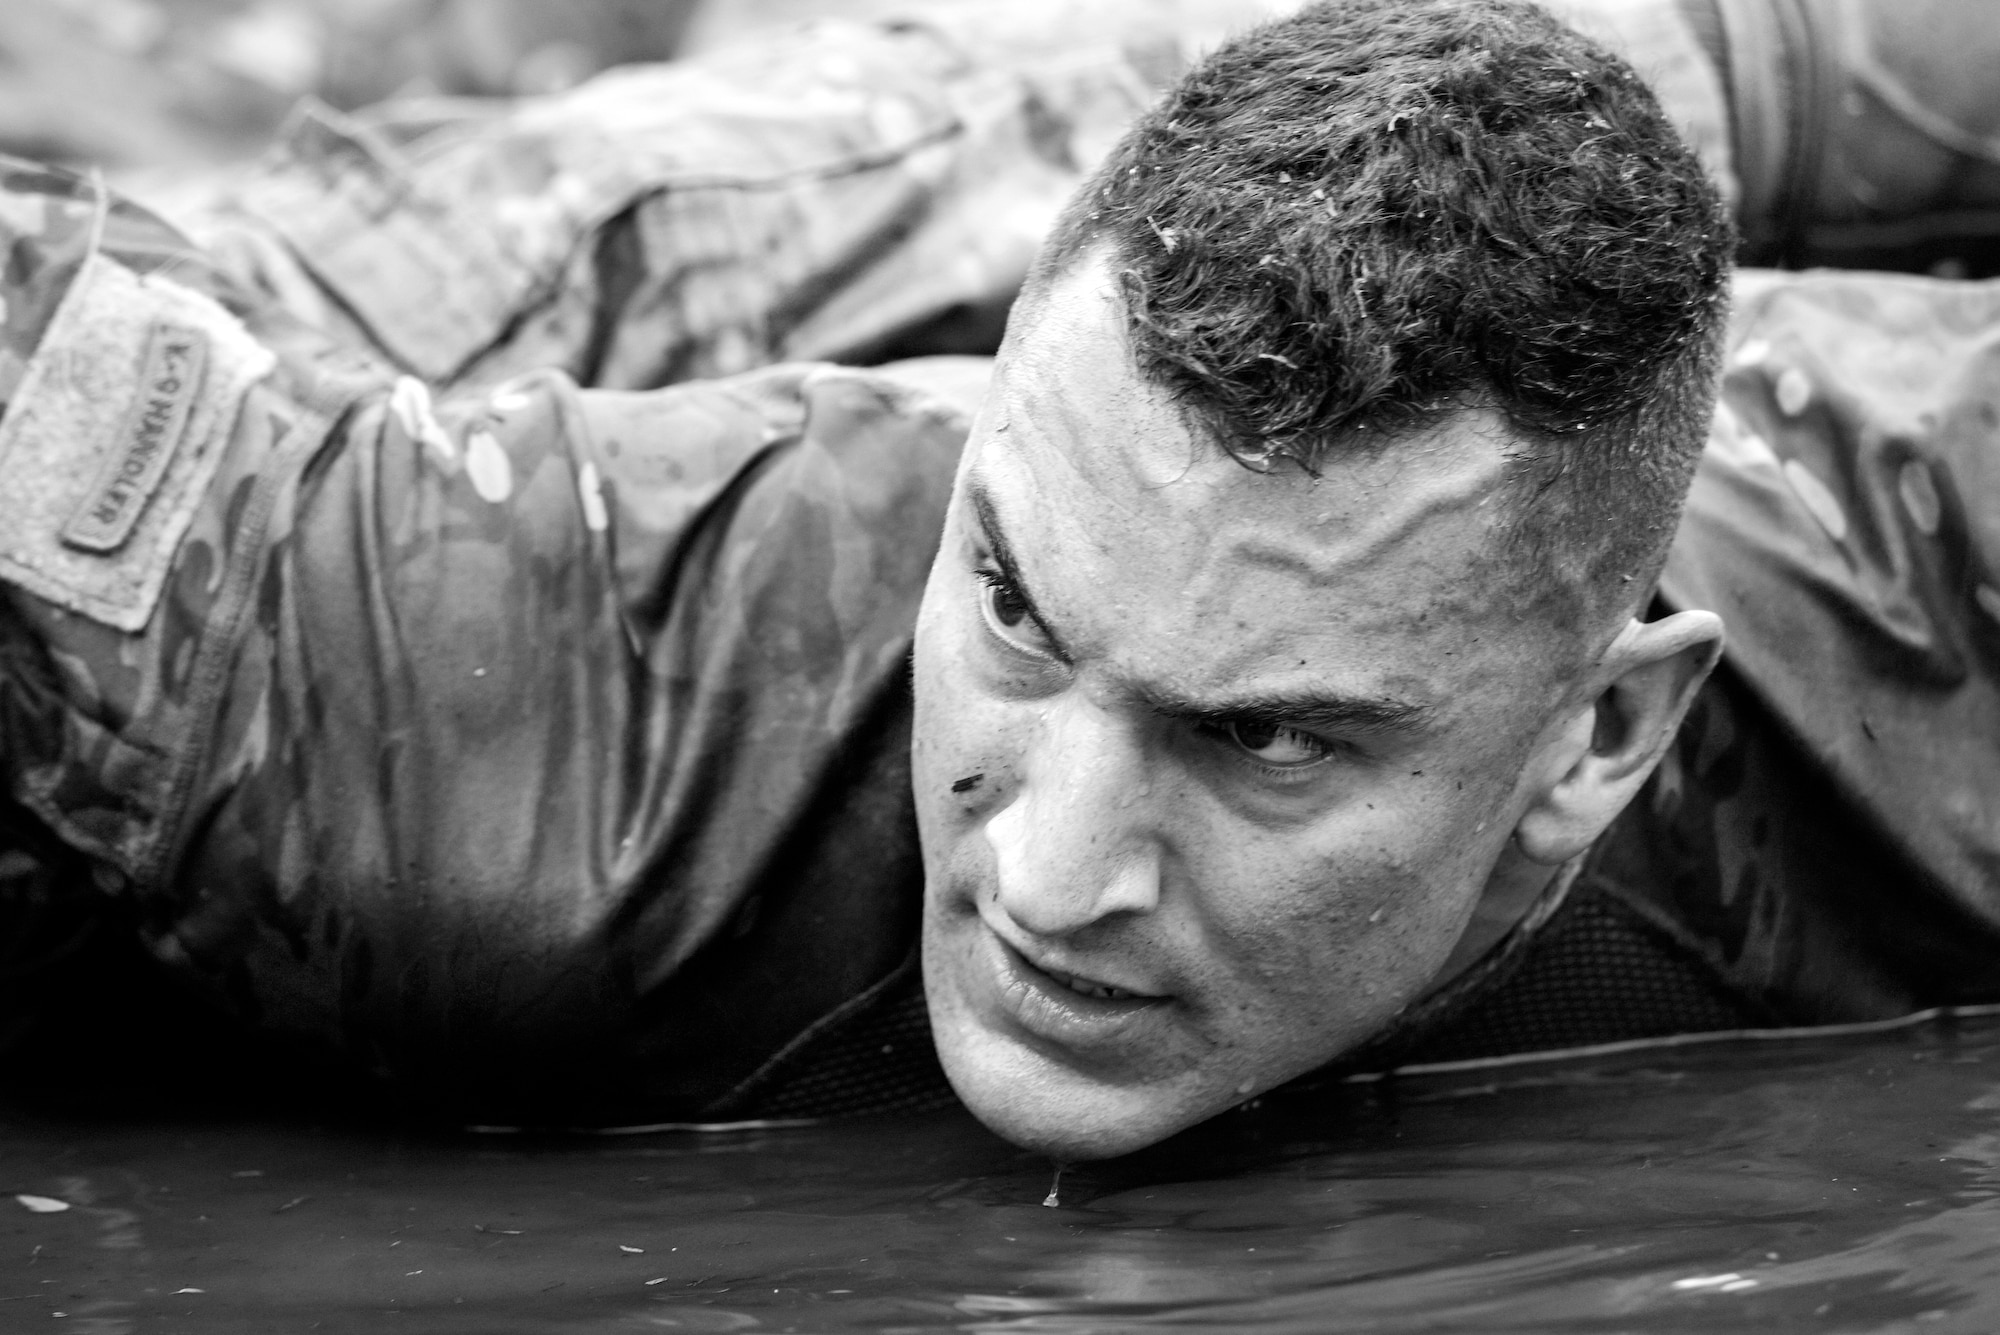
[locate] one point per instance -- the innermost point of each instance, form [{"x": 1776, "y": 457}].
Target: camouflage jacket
[
  {"x": 510, "y": 738},
  {"x": 545, "y": 746}
]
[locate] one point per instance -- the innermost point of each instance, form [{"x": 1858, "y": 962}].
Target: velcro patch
[
  {"x": 108, "y": 444},
  {"x": 176, "y": 356}
]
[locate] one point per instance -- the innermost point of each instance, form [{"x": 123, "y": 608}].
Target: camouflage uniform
[
  {"x": 452, "y": 731},
  {"x": 545, "y": 746}
]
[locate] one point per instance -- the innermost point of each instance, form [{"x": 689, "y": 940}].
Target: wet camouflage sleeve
[
  {"x": 515, "y": 742},
  {"x": 97, "y": 718},
  {"x": 1826, "y": 832}
]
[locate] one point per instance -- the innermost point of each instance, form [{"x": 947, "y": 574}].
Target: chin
[{"x": 1041, "y": 1104}]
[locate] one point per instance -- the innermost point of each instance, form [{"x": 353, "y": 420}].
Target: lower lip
[{"x": 1048, "y": 1010}]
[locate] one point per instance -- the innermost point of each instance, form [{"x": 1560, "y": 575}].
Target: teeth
[{"x": 1083, "y": 988}]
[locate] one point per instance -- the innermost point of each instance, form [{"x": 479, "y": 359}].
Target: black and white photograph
[{"x": 1000, "y": 667}]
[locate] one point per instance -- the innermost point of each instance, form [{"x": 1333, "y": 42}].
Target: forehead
[{"x": 1146, "y": 543}]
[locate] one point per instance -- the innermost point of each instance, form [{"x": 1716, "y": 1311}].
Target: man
[
  {"x": 1285, "y": 673},
  {"x": 1302, "y": 617}
]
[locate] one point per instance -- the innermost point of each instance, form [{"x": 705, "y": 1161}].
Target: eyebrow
[
  {"x": 1313, "y": 711},
  {"x": 1010, "y": 569}
]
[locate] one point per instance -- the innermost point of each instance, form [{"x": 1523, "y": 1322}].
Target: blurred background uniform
[
  {"x": 1860, "y": 133},
  {"x": 174, "y": 83},
  {"x": 1854, "y": 133}
]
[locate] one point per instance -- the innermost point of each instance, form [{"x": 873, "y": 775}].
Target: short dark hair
[{"x": 1353, "y": 222}]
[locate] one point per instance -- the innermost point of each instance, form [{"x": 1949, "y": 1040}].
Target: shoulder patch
[
  {"x": 114, "y": 433},
  {"x": 136, "y": 464}
]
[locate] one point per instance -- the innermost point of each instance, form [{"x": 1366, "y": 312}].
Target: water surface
[{"x": 1828, "y": 1185}]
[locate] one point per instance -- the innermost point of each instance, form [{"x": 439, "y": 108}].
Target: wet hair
[{"x": 1352, "y": 223}]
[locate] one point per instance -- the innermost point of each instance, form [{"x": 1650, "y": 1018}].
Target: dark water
[{"x": 1830, "y": 1185}]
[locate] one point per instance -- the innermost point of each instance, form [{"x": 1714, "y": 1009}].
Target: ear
[{"x": 1597, "y": 756}]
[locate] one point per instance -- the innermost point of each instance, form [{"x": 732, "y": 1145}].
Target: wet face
[{"x": 1211, "y": 765}]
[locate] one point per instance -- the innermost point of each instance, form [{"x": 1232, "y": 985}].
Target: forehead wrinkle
[
  {"x": 1125, "y": 425},
  {"x": 1329, "y": 552},
  {"x": 1079, "y": 440},
  {"x": 1096, "y": 427},
  {"x": 1228, "y": 523},
  {"x": 1086, "y": 446},
  {"x": 1195, "y": 667}
]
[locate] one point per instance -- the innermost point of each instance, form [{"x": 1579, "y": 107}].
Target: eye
[
  {"x": 1007, "y": 613},
  {"x": 1004, "y": 602},
  {"x": 1275, "y": 745}
]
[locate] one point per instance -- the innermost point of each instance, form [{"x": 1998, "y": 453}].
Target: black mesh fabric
[
  {"x": 1597, "y": 973},
  {"x": 882, "y": 1060}
]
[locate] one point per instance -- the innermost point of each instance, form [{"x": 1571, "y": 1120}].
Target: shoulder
[
  {"x": 1845, "y": 521},
  {"x": 823, "y": 471},
  {"x": 48, "y": 225}
]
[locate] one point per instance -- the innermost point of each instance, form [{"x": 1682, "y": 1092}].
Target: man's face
[{"x": 1211, "y": 765}]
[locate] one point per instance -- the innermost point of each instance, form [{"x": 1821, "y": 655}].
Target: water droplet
[
  {"x": 1818, "y": 499},
  {"x": 1706, "y": 1281},
  {"x": 1988, "y": 599},
  {"x": 1919, "y": 492},
  {"x": 487, "y": 465},
  {"x": 410, "y": 405},
  {"x": 1795, "y": 391},
  {"x": 1729, "y": 438},
  {"x": 590, "y": 491}
]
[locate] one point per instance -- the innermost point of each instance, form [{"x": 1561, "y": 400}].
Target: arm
[{"x": 852, "y": 192}]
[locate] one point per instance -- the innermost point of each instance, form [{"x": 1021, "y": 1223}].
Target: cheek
[
  {"x": 1302, "y": 974},
  {"x": 1351, "y": 922},
  {"x": 1283, "y": 926}
]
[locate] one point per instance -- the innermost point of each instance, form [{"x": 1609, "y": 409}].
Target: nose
[{"x": 1080, "y": 841}]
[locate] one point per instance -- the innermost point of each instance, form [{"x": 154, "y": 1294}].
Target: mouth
[
  {"x": 1128, "y": 1022},
  {"x": 1085, "y": 987},
  {"x": 1082, "y": 1017}
]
